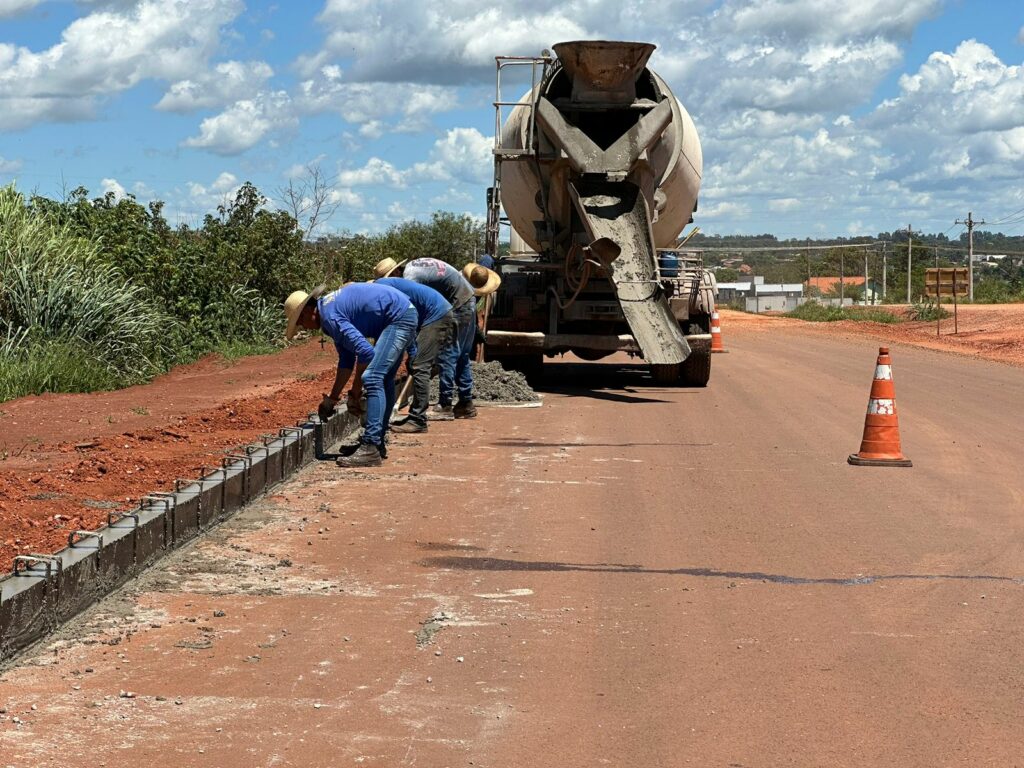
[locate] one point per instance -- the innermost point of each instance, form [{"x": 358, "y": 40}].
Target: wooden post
[{"x": 956, "y": 319}]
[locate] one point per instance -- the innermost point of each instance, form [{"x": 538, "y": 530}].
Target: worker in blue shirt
[
  {"x": 351, "y": 316},
  {"x": 459, "y": 289},
  {"x": 435, "y": 334}
]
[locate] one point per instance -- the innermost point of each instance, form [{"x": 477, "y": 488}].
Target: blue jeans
[
  {"x": 454, "y": 361},
  {"x": 379, "y": 376}
]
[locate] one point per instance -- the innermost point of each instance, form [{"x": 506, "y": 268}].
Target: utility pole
[
  {"x": 842, "y": 270},
  {"x": 866, "y": 278},
  {"x": 910, "y": 251},
  {"x": 885, "y": 267},
  {"x": 971, "y": 224}
]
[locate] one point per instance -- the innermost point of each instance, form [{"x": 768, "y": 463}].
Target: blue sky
[{"x": 817, "y": 117}]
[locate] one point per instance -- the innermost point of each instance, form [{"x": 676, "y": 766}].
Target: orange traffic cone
[
  {"x": 716, "y": 333},
  {"x": 880, "y": 446}
]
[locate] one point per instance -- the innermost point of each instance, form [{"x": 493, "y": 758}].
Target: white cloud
[
  {"x": 346, "y": 197},
  {"x": 959, "y": 117},
  {"x": 369, "y": 104},
  {"x": 206, "y": 197},
  {"x": 376, "y": 172},
  {"x": 245, "y": 123},
  {"x": 826, "y": 19},
  {"x": 109, "y": 186},
  {"x": 228, "y": 82},
  {"x": 105, "y": 52},
  {"x": 784, "y": 204},
  {"x": 451, "y": 42},
  {"x": 9, "y": 166},
  {"x": 10, "y": 8},
  {"x": 463, "y": 155}
]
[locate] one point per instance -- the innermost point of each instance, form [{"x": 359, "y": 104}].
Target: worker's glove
[
  {"x": 326, "y": 408},
  {"x": 354, "y": 405}
]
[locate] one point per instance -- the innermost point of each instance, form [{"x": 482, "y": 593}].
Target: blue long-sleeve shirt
[
  {"x": 355, "y": 313},
  {"x": 430, "y": 305}
]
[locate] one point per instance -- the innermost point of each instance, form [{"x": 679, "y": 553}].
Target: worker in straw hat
[
  {"x": 351, "y": 316},
  {"x": 435, "y": 334},
  {"x": 458, "y": 289}
]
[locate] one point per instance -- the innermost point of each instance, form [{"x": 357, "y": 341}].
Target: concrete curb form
[{"x": 44, "y": 591}]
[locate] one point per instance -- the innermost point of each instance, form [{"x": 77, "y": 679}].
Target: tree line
[{"x": 103, "y": 292}]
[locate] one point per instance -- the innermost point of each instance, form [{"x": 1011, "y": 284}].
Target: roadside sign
[{"x": 948, "y": 282}]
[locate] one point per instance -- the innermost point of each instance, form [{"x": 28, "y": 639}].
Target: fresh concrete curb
[{"x": 44, "y": 591}]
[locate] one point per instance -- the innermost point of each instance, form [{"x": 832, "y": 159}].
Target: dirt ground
[
  {"x": 630, "y": 575},
  {"x": 67, "y": 460},
  {"x": 986, "y": 331}
]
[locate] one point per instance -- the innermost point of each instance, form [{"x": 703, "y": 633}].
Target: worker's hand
[
  {"x": 354, "y": 403},
  {"x": 326, "y": 408}
]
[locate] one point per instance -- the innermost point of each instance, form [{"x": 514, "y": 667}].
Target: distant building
[
  {"x": 824, "y": 285},
  {"x": 757, "y": 296}
]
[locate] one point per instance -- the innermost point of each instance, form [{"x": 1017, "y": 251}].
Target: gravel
[{"x": 492, "y": 383}]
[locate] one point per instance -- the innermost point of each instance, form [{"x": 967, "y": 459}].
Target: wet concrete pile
[{"x": 492, "y": 383}]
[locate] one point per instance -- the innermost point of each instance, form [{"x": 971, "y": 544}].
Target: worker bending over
[
  {"x": 436, "y": 333},
  {"x": 459, "y": 290},
  {"x": 351, "y": 316}
]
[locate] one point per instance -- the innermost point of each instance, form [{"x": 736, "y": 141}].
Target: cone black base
[{"x": 857, "y": 461}]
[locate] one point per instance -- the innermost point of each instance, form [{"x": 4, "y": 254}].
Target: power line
[{"x": 790, "y": 248}]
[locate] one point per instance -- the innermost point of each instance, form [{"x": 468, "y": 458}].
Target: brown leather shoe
[
  {"x": 409, "y": 426},
  {"x": 440, "y": 413},
  {"x": 464, "y": 409},
  {"x": 365, "y": 456}
]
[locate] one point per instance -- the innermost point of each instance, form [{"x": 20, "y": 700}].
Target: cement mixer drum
[{"x": 673, "y": 164}]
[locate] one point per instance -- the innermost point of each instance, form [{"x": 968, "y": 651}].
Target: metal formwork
[{"x": 45, "y": 590}]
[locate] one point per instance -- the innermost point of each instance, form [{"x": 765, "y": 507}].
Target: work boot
[
  {"x": 408, "y": 425},
  {"x": 464, "y": 410},
  {"x": 440, "y": 413},
  {"x": 365, "y": 456}
]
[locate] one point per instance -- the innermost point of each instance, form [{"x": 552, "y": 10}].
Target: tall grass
[
  {"x": 69, "y": 321},
  {"x": 814, "y": 312}
]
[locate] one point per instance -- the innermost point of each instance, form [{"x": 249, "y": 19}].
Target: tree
[{"x": 311, "y": 198}]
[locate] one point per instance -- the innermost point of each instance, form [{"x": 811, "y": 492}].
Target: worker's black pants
[{"x": 430, "y": 342}]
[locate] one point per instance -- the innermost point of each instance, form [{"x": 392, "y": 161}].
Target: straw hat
[
  {"x": 485, "y": 281},
  {"x": 295, "y": 304},
  {"x": 386, "y": 266}
]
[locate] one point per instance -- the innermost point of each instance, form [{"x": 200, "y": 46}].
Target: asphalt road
[{"x": 629, "y": 575}]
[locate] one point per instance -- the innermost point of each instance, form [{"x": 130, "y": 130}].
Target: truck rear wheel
[
  {"x": 666, "y": 375},
  {"x": 696, "y": 370}
]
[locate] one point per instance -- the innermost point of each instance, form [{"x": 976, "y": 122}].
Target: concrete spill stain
[{"x": 428, "y": 629}]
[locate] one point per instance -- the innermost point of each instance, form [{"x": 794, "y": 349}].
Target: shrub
[
  {"x": 54, "y": 287},
  {"x": 927, "y": 310},
  {"x": 814, "y": 312}
]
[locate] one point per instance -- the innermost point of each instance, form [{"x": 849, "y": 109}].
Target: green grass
[
  {"x": 813, "y": 312},
  {"x": 54, "y": 367},
  {"x": 238, "y": 348}
]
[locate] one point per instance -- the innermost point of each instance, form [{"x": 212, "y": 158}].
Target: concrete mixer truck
[{"x": 596, "y": 173}]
